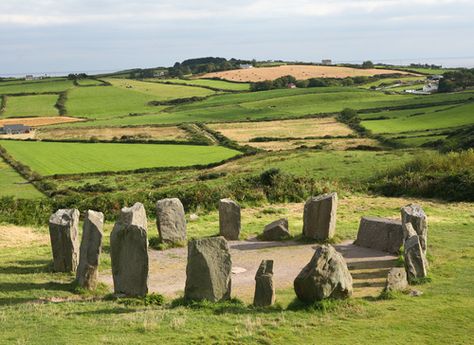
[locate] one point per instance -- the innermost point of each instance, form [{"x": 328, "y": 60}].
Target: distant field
[
  {"x": 89, "y": 82},
  {"x": 301, "y": 128},
  {"x": 300, "y": 72},
  {"x": 159, "y": 91},
  {"x": 49, "y": 158},
  {"x": 35, "y": 86},
  {"x": 218, "y": 84},
  {"x": 320, "y": 144},
  {"x": 390, "y": 81},
  {"x": 37, "y": 105},
  {"x": 107, "y": 102},
  {"x": 39, "y": 121},
  {"x": 423, "y": 119},
  {"x": 156, "y": 133},
  {"x": 12, "y": 184}
]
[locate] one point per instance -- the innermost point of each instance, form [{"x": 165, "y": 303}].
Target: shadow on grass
[
  {"x": 106, "y": 311},
  {"x": 232, "y": 306},
  {"x": 51, "y": 286},
  {"x": 28, "y": 267}
]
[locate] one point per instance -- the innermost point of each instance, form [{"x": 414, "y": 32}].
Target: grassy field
[
  {"x": 89, "y": 82},
  {"x": 218, "y": 84},
  {"x": 390, "y": 81},
  {"x": 12, "y": 184},
  {"x": 101, "y": 102},
  {"x": 423, "y": 119},
  {"x": 48, "y": 158},
  {"x": 161, "y": 92},
  {"x": 37, "y": 105},
  {"x": 35, "y": 86},
  {"x": 442, "y": 315}
]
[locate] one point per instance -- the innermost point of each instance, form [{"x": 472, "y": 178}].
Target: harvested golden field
[
  {"x": 147, "y": 132},
  {"x": 39, "y": 121},
  {"x": 300, "y": 72},
  {"x": 242, "y": 132},
  {"x": 326, "y": 144}
]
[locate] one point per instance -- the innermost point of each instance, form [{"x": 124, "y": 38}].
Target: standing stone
[
  {"x": 91, "y": 246},
  {"x": 171, "y": 221},
  {"x": 277, "y": 230},
  {"x": 229, "y": 219},
  {"x": 129, "y": 252},
  {"x": 63, "y": 231},
  {"x": 264, "y": 288},
  {"x": 319, "y": 218},
  {"x": 380, "y": 233},
  {"x": 396, "y": 279},
  {"x": 208, "y": 272},
  {"x": 325, "y": 276},
  {"x": 415, "y": 215},
  {"x": 414, "y": 257}
]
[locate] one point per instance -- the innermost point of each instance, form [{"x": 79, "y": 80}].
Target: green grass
[
  {"x": 37, "y": 105},
  {"x": 442, "y": 315},
  {"x": 35, "y": 86},
  {"x": 89, "y": 82},
  {"x": 218, "y": 84},
  {"x": 160, "y": 92},
  {"x": 423, "y": 119},
  {"x": 104, "y": 102},
  {"x": 390, "y": 81},
  {"x": 12, "y": 184},
  {"x": 48, "y": 158}
]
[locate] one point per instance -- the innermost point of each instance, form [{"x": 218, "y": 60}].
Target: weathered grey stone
[
  {"x": 275, "y": 231},
  {"x": 229, "y": 219},
  {"x": 325, "y": 276},
  {"x": 319, "y": 218},
  {"x": 396, "y": 279},
  {"x": 91, "y": 246},
  {"x": 264, "y": 288},
  {"x": 63, "y": 231},
  {"x": 380, "y": 233},
  {"x": 415, "y": 260},
  {"x": 208, "y": 271},
  {"x": 193, "y": 217},
  {"x": 171, "y": 221},
  {"x": 129, "y": 252},
  {"x": 415, "y": 215}
]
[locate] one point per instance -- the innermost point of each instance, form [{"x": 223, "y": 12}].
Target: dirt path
[{"x": 368, "y": 267}]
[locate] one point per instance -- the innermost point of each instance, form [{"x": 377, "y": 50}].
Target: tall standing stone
[
  {"x": 170, "y": 220},
  {"x": 319, "y": 218},
  {"x": 208, "y": 272},
  {"x": 325, "y": 276},
  {"x": 129, "y": 252},
  {"x": 264, "y": 288},
  {"x": 414, "y": 257},
  {"x": 415, "y": 215},
  {"x": 63, "y": 231},
  {"x": 229, "y": 219},
  {"x": 91, "y": 246},
  {"x": 380, "y": 233}
]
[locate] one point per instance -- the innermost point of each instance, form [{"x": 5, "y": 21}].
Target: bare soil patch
[
  {"x": 39, "y": 121},
  {"x": 300, "y": 72},
  {"x": 325, "y": 144},
  {"x": 146, "y": 132}
]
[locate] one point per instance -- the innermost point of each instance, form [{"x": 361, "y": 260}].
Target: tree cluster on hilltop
[
  {"x": 456, "y": 80},
  {"x": 206, "y": 65}
]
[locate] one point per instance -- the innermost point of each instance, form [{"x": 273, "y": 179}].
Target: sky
[{"x": 104, "y": 35}]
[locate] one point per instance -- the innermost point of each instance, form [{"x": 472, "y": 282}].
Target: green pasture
[
  {"x": 49, "y": 158},
  {"x": 390, "y": 81},
  {"x": 423, "y": 119},
  {"x": 160, "y": 91},
  {"x": 218, "y": 84},
  {"x": 36, "y": 105},
  {"x": 35, "y": 86},
  {"x": 12, "y": 184},
  {"x": 89, "y": 82}
]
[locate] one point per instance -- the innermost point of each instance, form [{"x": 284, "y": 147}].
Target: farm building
[
  {"x": 291, "y": 86},
  {"x": 29, "y": 77},
  {"x": 245, "y": 66},
  {"x": 326, "y": 61},
  {"x": 431, "y": 87},
  {"x": 15, "y": 129}
]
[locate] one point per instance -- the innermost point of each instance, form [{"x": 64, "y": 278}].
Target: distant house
[
  {"x": 326, "y": 61},
  {"x": 29, "y": 77},
  {"x": 245, "y": 66},
  {"x": 431, "y": 87},
  {"x": 435, "y": 77},
  {"x": 15, "y": 129},
  {"x": 291, "y": 86},
  {"x": 157, "y": 74}
]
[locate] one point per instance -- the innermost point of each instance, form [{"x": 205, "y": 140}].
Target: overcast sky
[{"x": 88, "y": 35}]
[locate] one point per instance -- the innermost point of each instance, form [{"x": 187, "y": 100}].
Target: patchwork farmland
[{"x": 119, "y": 143}]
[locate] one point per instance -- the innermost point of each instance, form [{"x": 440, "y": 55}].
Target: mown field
[
  {"x": 49, "y": 158},
  {"x": 36, "y": 105},
  {"x": 218, "y": 84},
  {"x": 35, "y": 86}
]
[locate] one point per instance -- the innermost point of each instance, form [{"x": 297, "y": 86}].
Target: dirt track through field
[{"x": 368, "y": 267}]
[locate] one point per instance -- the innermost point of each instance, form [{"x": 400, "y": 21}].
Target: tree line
[{"x": 456, "y": 80}]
